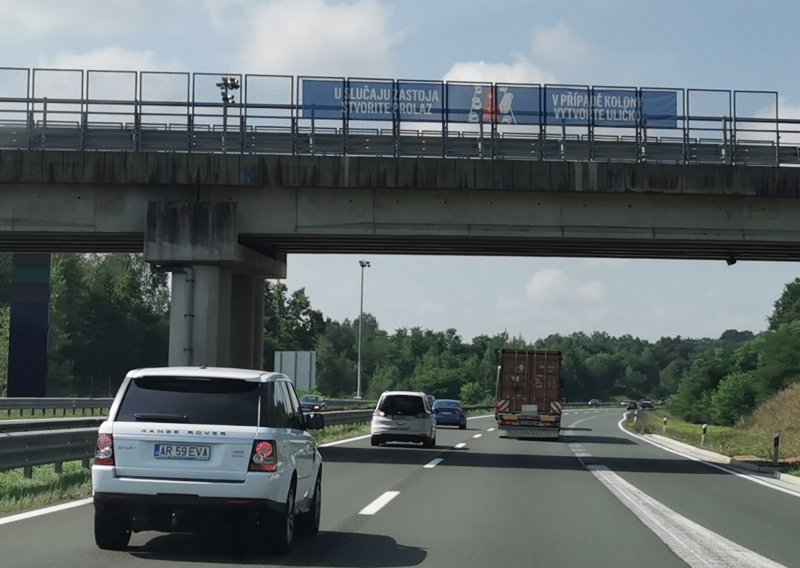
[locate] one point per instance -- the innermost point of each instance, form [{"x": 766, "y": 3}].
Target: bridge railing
[{"x": 51, "y": 109}]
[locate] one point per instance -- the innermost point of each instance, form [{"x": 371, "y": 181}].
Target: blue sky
[{"x": 688, "y": 44}]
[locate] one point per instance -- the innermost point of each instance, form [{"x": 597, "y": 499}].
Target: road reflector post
[
  {"x": 635, "y": 416},
  {"x": 664, "y": 427},
  {"x": 703, "y": 437},
  {"x": 776, "y": 446}
]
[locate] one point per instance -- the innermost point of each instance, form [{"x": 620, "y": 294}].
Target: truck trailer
[{"x": 529, "y": 394}]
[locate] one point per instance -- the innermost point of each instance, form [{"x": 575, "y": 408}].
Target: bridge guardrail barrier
[{"x": 277, "y": 114}]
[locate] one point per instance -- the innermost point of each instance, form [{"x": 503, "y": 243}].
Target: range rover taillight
[
  {"x": 104, "y": 451},
  {"x": 264, "y": 456}
]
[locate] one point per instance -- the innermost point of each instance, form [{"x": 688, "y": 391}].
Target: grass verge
[
  {"x": 45, "y": 487},
  {"x": 745, "y": 443}
]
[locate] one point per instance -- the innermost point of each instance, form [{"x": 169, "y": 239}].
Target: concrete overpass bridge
[{"x": 224, "y": 195}]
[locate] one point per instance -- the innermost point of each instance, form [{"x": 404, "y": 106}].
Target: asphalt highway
[{"x": 599, "y": 497}]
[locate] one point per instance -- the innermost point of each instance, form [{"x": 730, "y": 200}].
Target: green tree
[
  {"x": 734, "y": 398},
  {"x": 290, "y": 323},
  {"x": 787, "y": 307},
  {"x": 474, "y": 392}
]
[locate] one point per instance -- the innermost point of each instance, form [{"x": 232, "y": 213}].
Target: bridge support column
[
  {"x": 217, "y": 299},
  {"x": 29, "y": 324}
]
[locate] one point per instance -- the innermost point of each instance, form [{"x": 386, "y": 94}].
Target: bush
[
  {"x": 474, "y": 393},
  {"x": 734, "y": 398}
]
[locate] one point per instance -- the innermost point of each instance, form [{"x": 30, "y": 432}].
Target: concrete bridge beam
[{"x": 217, "y": 299}]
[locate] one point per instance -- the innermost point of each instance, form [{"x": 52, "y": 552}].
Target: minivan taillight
[
  {"x": 264, "y": 456},
  {"x": 378, "y": 413},
  {"x": 104, "y": 451}
]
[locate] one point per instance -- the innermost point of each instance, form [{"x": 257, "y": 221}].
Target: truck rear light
[
  {"x": 104, "y": 451},
  {"x": 264, "y": 456}
]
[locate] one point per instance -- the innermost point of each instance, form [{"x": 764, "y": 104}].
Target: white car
[
  {"x": 403, "y": 416},
  {"x": 187, "y": 448}
]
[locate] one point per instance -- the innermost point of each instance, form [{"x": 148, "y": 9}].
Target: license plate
[{"x": 181, "y": 452}]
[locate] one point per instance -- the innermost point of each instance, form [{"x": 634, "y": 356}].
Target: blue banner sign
[
  {"x": 504, "y": 104},
  {"x": 486, "y": 103},
  {"x": 373, "y": 100},
  {"x": 610, "y": 107}
]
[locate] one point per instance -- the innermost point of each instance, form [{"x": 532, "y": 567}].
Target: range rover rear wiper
[{"x": 156, "y": 417}]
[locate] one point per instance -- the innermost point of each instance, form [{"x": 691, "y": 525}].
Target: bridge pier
[{"x": 217, "y": 299}]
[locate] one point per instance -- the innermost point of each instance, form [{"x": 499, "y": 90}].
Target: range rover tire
[
  {"x": 308, "y": 523},
  {"x": 285, "y": 525},
  {"x": 112, "y": 530}
]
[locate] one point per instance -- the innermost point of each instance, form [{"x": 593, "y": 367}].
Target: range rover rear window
[{"x": 191, "y": 400}]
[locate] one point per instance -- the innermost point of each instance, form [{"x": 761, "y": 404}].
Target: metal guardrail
[
  {"x": 39, "y": 424},
  {"x": 56, "y": 109},
  {"x": 34, "y": 404},
  {"x": 25, "y": 443}
]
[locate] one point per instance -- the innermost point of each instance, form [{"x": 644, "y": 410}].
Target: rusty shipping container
[{"x": 529, "y": 393}]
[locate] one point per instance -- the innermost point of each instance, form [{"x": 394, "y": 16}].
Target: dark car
[
  {"x": 632, "y": 405},
  {"x": 594, "y": 402},
  {"x": 646, "y": 404},
  {"x": 312, "y": 403},
  {"x": 449, "y": 412}
]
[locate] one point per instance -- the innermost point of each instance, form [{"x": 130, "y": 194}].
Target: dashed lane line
[{"x": 379, "y": 503}]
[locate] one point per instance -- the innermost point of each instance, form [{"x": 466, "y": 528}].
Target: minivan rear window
[
  {"x": 402, "y": 405},
  {"x": 192, "y": 400}
]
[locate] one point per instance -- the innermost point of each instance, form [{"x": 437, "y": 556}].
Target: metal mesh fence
[
  {"x": 164, "y": 87},
  {"x": 117, "y": 86},
  {"x": 61, "y": 85},
  {"x": 268, "y": 100},
  {"x": 14, "y": 84}
]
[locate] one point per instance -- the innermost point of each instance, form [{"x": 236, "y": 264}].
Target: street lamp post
[
  {"x": 363, "y": 264},
  {"x": 225, "y": 85}
]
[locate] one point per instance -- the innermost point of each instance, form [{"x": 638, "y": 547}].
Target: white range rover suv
[{"x": 188, "y": 448}]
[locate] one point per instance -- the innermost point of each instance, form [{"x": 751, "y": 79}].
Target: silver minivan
[{"x": 403, "y": 416}]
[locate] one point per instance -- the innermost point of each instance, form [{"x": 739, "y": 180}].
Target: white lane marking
[
  {"x": 693, "y": 543},
  {"x": 345, "y": 441},
  {"x": 477, "y": 435},
  {"x": 709, "y": 464},
  {"x": 433, "y": 463},
  {"x": 481, "y": 416},
  {"x": 460, "y": 445},
  {"x": 45, "y": 511},
  {"x": 490, "y": 429},
  {"x": 379, "y": 503}
]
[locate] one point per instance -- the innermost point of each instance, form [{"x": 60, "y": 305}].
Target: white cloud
[
  {"x": 80, "y": 18},
  {"x": 115, "y": 58},
  {"x": 593, "y": 291},
  {"x": 521, "y": 71},
  {"x": 318, "y": 37},
  {"x": 551, "y": 48},
  {"x": 547, "y": 284},
  {"x": 558, "y": 47}
]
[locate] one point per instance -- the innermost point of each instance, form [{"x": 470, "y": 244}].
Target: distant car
[
  {"x": 449, "y": 412},
  {"x": 403, "y": 416},
  {"x": 594, "y": 402},
  {"x": 312, "y": 403},
  {"x": 632, "y": 405},
  {"x": 646, "y": 404}
]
